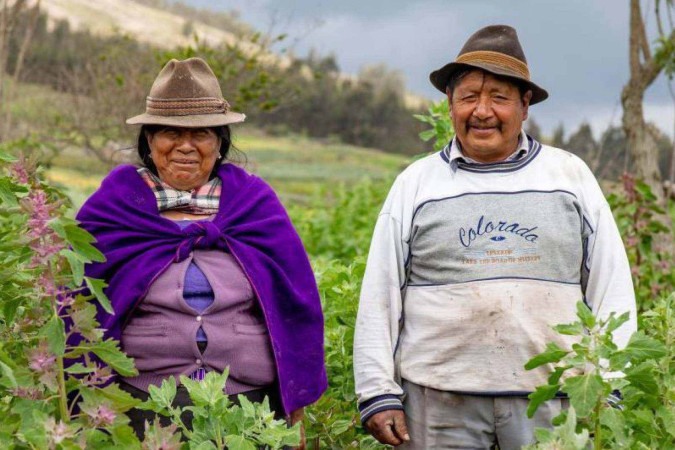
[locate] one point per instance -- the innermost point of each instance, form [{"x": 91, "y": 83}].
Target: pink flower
[
  {"x": 629, "y": 186},
  {"x": 40, "y": 360},
  {"x": 20, "y": 172},
  {"x": 58, "y": 431},
  {"x": 29, "y": 393},
  {"x": 101, "y": 416},
  {"x": 635, "y": 271}
]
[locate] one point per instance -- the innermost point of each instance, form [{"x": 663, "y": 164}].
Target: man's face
[{"x": 488, "y": 114}]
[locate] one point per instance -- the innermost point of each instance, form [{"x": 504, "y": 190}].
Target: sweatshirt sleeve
[
  {"x": 607, "y": 277},
  {"x": 380, "y": 314}
]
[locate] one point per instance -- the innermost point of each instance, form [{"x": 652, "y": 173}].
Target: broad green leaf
[
  {"x": 164, "y": 394},
  {"x": 614, "y": 420},
  {"x": 207, "y": 391},
  {"x": 615, "y": 322},
  {"x": 8, "y": 375},
  {"x": 570, "y": 329},
  {"x": 121, "y": 400},
  {"x": 643, "y": 377},
  {"x": 642, "y": 347},
  {"x": 96, "y": 286},
  {"x": 110, "y": 353},
  {"x": 586, "y": 316},
  {"x": 552, "y": 353},
  {"x": 79, "y": 368},
  {"x": 554, "y": 378},
  {"x": 667, "y": 416},
  {"x": 79, "y": 239},
  {"x": 7, "y": 195},
  {"x": 125, "y": 438},
  {"x": 585, "y": 391},
  {"x": 235, "y": 442},
  {"x": 55, "y": 334},
  {"x": 76, "y": 264},
  {"x": 540, "y": 395}
]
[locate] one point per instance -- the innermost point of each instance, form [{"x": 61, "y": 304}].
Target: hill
[{"x": 146, "y": 24}]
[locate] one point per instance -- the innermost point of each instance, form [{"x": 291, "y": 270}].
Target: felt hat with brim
[
  {"x": 186, "y": 94},
  {"x": 495, "y": 49}
]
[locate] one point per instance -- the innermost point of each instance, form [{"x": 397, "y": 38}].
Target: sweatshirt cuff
[{"x": 378, "y": 404}]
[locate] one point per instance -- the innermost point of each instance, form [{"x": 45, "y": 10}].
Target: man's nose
[{"x": 483, "y": 109}]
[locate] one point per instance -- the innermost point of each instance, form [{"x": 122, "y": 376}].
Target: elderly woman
[{"x": 204, "y": 268}]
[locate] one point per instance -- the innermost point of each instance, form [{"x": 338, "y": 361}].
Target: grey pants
[{"x": 443, "y": 420}]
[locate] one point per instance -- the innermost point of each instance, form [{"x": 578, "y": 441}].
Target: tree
[
  {"x": 582, "y": 144},
  {"x": 533, "y": 129},
  {"x": 11, "y": 18},
  {"x": 644, "y": 69}
]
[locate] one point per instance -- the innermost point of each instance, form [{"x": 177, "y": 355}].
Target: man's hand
[{"x": 389, "y": 427}]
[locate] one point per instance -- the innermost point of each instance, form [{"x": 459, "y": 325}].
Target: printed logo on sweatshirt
[{"x": 500, "y": 230}]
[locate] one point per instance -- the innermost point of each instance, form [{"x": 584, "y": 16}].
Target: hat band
[
  {"x": 185, "y": 107},
  {"x": 496, "y": 59}
]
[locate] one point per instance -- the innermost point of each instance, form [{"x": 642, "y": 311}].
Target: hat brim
[
  {"x": 189, "y": 121},
  {"x": 439, "y": 78}
]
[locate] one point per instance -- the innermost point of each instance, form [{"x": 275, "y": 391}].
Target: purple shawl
[{"x": 252, "y": 224}]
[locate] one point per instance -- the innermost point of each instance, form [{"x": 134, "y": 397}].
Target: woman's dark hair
[{"x": 223, "y": 132}]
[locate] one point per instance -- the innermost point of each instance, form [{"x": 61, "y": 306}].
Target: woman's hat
[
  {"x": 186, "y": 94},
  {"x": 495, "y": 49}
]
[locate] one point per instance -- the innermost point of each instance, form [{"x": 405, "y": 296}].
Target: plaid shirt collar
[{"x": 203, "y": 200}]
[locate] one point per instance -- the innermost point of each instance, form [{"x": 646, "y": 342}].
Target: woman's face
[{"x": 184, "y": 157}]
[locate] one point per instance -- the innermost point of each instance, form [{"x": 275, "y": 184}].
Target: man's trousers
[{"x": 443, "y": 420}]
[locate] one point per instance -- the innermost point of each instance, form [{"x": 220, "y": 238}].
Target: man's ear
[{"x": 526, "y": 103}]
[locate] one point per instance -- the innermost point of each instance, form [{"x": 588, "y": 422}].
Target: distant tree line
[
  {"x": 106, "y": 80},
  {"x": 608, "y": 156}
]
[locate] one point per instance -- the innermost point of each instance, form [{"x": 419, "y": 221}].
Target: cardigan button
[
  {"x": 198, "y": 362},
  {"x": 198, "y": 318}
]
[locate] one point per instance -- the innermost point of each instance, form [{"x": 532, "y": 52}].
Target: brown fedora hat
[
  {"x": 495, "y": 49},
  {"x": 186, "y": 94}
]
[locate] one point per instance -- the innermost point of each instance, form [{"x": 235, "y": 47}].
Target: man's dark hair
[
  {"x": 143, "y": 148},
  {"x": 459, "y": 75}
]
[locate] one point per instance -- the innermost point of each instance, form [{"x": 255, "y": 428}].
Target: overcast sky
[{"x": 576, "y": 49}]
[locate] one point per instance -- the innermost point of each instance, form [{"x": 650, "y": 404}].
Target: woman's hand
[{"x": 295, "y": 417}]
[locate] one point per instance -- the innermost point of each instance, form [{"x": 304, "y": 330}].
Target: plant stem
[
  {"x": 63, "y": 399},
  {"x": 597, "y": 442}
]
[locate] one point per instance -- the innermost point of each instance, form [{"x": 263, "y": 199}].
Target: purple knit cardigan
[{"x": 252, "y": 224}]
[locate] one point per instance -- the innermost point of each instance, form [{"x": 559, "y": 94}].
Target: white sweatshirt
[{"x": 471, "y": 265}]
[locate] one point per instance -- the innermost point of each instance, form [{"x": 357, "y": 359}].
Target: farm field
[{"x": 296, "y": 167}]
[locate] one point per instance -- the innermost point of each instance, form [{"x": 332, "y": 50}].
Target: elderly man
[{"x": 478, "y": 251}]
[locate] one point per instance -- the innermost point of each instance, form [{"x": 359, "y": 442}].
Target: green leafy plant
[
  {"x": 438, "y": 117},
  {"x": 647, "y": 238},
  {"x": 54, "y": 393},
  {"x": 646, "y": 418},
  {"x": 334, "y": 421},
  {"x": 216, "y": 421}
]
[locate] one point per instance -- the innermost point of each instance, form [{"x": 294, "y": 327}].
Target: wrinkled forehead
[{"x": 478, "y": 79}]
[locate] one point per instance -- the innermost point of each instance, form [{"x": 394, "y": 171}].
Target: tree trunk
[{"x": 643, "y": 71}]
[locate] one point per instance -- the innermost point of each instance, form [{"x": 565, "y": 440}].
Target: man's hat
[
  {"x": 495, "y": 49},
  {"x": 186, "y": 94}
]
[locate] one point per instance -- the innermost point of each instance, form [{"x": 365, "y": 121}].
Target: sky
[{"x": 576, "y": 49}]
